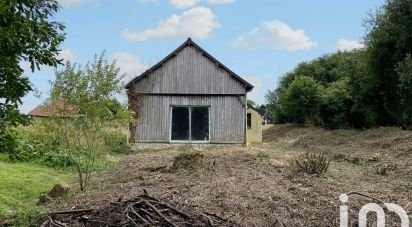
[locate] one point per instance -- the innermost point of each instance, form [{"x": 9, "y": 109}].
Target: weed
[
  {"x": 310, "y": 163},
  {"x": 385, "y": 167},
  {"x": 263, "y": 156}
]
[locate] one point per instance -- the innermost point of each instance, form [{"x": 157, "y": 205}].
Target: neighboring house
[
  {"x": 189, "y": 97},
  {"x": 48, "y": 109},
  {"x": 254, "y": 125}
]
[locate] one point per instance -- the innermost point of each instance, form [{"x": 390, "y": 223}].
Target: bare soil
[{"x": 254, "y": 185}]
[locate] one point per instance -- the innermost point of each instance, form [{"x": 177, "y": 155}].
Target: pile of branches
[{"x": 142, "y": 210}]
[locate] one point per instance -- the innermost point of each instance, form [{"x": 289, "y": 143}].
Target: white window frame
[{"x": 190, "y": 125}]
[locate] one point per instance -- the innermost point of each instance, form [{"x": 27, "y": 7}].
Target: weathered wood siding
[
  {"x": 227, "y": 117},
  {"x": 189, "y": 72}
]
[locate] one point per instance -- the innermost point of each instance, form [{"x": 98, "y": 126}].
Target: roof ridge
[{"x": 189, "y": 42}]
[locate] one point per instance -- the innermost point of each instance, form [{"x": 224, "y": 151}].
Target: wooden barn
[{"x": 189, "y": 97}]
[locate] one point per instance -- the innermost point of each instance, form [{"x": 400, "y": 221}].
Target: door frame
[{"x": 190, "y": 125}]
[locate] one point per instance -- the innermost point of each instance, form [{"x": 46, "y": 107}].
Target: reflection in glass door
[{"x": 190, "y": 124}]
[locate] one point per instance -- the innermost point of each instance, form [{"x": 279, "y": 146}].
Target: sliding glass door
[{"x": 190, "y": 124}]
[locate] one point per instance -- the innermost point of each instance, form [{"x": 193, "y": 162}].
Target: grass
[{"x": 22, "y": 183}]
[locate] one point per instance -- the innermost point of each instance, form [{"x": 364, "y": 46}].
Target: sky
[{"x": 260, "y": 40}]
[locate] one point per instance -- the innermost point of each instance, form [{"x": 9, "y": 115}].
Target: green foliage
[
  {"x": 336, "y": 76},
  {"x": 389, "y": 41},
  {"x": 301, "y": 100},
  {"x": 404, "y": 71},
  {"x": 26, "y": 34},
  {"x": 311, "y": 163},
  {"x": 39, "y": 143},
  {"x": 115, "y": 141},
  {"x": 86, "y": 97},
  {"x": 362, "y": 88},
  {"x": 251, "y": 103},
  {"x": 335, "y": 111}
]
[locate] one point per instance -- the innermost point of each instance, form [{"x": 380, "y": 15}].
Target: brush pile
[{"x": 142, "y": 210}]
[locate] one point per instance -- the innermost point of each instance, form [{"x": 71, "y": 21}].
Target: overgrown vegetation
[
  {"x": 361, "y": 88},
  {"x": 87, "y": 122},
  {"x": 27, "y": 34},
  {"x": 84, "y": 106}
]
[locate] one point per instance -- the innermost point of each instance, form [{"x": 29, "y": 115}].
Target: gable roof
[
  {"x": 49, "y": 109},
  {"x": 45, "y": 109},
  {"x": 189, "y": 42}
]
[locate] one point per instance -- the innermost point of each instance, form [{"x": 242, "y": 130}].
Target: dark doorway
[
  {"x": 180, "y": 123},
  {"x": 200, "y": 123},
  {"x": 190, "y": 124}
]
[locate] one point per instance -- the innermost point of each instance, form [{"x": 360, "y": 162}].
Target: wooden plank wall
[
  {"x": 190, "y": 73},
  {"x": 227, "y": 117}
]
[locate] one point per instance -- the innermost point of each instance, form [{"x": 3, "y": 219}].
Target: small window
[{"x": 249, "y": 120}]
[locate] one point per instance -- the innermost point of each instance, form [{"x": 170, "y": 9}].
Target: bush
[
  {"x": 310, "y": 163},
  {"x": 40, "y": 143},
  {"x": 115, "y": 141}
]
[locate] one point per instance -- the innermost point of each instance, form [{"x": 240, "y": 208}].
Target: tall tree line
[{"x": 358, "y": 89}]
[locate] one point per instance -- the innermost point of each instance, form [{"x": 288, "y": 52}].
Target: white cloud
[
  {"x": 129, "y": 64},
  {"x": 182, "y": 4},
  {"x": 198, "y": 23},
  {"x": 149, "y": 1},
  {"x": 67, "y": 55},
  {"x": 257, "y": 83},
  {"x": 220, "y": 2},
  {"x": 348, "y": 45},
  {"x": 275, "y": 35},
  {"x": 71, "y": 3}
]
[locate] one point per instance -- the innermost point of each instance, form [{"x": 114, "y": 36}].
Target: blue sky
[{"x": 260, "y": 40}]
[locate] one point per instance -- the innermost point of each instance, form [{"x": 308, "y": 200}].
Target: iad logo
[{"x": 372, "y": 207}]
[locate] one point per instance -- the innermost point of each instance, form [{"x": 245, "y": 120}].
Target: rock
[{"x": 59, "y": 190}]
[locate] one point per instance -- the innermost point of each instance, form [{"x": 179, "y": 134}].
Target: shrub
[
  {"x": 115, "y": 141},
  {"x": 310, "y": 163}
]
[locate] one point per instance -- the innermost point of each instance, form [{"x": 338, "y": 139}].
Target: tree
[
  {"x": 301, "y": 100},
  {"x": 88, "y": 106},
  {"x": 335, "y": 111},
  {"x": 404, "y": 71},
  {"x": 251, "y": 103},
  {"x": 389, "y": 41},
  {"x": 265, "y": 113},
  {"x": 340, "y": 74},
  {"x": 26, "y": 34}
]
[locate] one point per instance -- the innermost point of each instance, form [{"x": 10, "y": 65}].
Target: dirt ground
[{"x": 254, "y": 185}]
